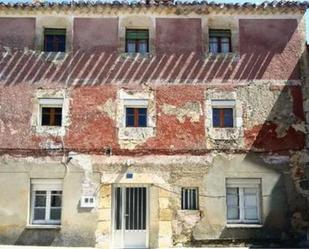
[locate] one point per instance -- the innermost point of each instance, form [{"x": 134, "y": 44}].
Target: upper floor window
[
  {"x": 54, "y": 40},
  {"x": 223, "y": 113},
  {"x": 222, "y": 117},
  {"x": 220, "y": 41},
  {"x": 136, "y": 117},
  {"x": 137, "y": 41},
  {"x": 51, "y": 112}
]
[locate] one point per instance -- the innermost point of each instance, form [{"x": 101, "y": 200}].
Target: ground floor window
[
  {"x": 189, "y": 198},
  {"x": 243, "y": 200},
  {"x": 46, "y": 201}
]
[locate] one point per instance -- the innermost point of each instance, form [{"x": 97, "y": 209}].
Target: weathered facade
[{"x": 175, "y": 177}]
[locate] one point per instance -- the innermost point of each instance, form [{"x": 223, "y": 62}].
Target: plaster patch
[
  {"x": 50, "y": 144},
  {"x": 299, "y": 127},
  {"x": 192, "y": 110},
  {"x": 109, "y": 108},
  {"x": 276, "y": 159}
]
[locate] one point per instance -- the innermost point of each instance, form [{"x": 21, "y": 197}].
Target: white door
[{"x": 130, "y": 221}]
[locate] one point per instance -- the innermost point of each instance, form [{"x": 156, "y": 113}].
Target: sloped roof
[{"x": 212, "y": 4}]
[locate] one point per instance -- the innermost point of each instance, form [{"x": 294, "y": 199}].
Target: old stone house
[{"x": 153, "y": 124}]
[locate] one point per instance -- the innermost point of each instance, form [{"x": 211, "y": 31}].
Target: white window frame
[
  {"x": 47, "y": 185},
  {"x": 50, "y": 102},
  {"x": 241, "y": 184},
  {"x": 223, "y": 104}
]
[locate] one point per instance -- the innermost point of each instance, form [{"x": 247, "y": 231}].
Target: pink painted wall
[
  {"x": 95, "y": 34},
  {"x": 271, "y": 48},
  {"x": 17, "y": 32},
  {"x": 178, "y": 35}
]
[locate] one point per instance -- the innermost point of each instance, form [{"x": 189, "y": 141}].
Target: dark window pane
[
  {"x": 55, "y": 201},
  {"x": 130, "y": 121},
  {"x": 40, "y": 201},
  {"x": 51, "y": 116},
  {"x": 58, "y": 116},
  {"x": 45, "y": 116},
  {"x": 55, "y": 213},
  {"x": 39, "y": 214},
  {"x": 142, "y": 121},
  {"x": 216, "y": 117},
  {"x": 142, "y": 111},
  {"x": 130, "y": 111},
  {"x": 119, "y": 207},
  {"x": 54, "y": 43},
  {"x": 228, "y": 117}
]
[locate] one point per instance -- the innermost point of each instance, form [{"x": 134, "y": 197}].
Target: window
[
  {"x": 51, "y": 116},
  {"x": 136, "y": 117},
  {"x": 46, "y": 202},
  {"x": 54, "y": 40},
  {"x": 223, "y": 113},
  {"x": 243, "y": 200},
  {"x": 219, "y": 41},
  {"x": 51, "y": 112},
  {"x": 189, "y": 198},
  {"x": 137, "y": 41},
  {"x": 222, "y": 117}
]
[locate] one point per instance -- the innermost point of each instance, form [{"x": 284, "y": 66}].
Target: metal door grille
[{"x": 133, "y": 200}]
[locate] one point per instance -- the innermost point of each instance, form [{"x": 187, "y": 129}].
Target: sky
[{"x": 218, "y": 1}]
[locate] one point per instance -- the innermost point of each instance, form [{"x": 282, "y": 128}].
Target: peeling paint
[{"x": 192, "y": 110}]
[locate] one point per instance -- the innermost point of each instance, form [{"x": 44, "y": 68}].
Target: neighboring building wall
[{"x": 178, "y": 82}]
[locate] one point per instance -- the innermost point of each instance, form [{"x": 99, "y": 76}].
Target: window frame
[
  {"x": 219, "y": 40},
  {"x": 50, "y": 103},
  {"x": 54, "y": 32},
  {"x": 47, "y": 185},
  {"x": 136, "y": 116},
  {"x": 223, "y": 104},
  {"x": 137, "y": 41},
  {"x": 241, "y": 184},
  {"x": 196, "y": 200}
]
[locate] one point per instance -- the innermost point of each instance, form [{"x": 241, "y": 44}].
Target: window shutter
[
  {"x": 137, "y": 35},
  {"x": 48, "y": 31},
  {"x": 219, "y": 33}
]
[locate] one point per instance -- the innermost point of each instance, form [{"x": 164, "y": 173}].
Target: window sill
[
  {"x": 54, "y": 56},
  {"x": 134, "y": 55},
  {"x": 51, "y": 130},
  {"x": 225, "y": 133},
  {"x": 232, "y": 56},
  {"x": 33, "y": 226},
  {"x": 244, "y": 225},
  {"x": 135, "y": 133}
]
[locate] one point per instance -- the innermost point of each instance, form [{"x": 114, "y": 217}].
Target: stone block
[
  {"x": 166, "y": 214},
  {"x": 165, "y": 229},
  {"x": 163, "y": 203},
  {"x": 164, "y": 193},
  {"x": 105, "y": 214},
  {"x": 165, "y": 242},
  {"x": 104, "y": 227}
]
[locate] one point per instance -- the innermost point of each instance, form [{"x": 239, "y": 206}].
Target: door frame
[{"x": 126, "y": 185}]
